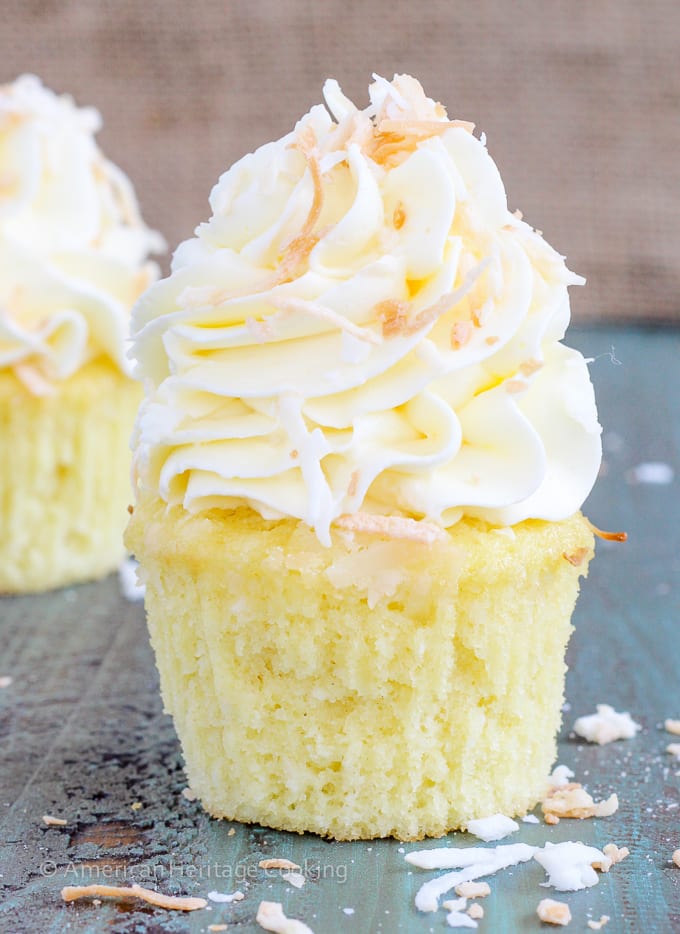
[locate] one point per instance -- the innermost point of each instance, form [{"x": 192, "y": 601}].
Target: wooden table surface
[{"x": 83, "y": 736}]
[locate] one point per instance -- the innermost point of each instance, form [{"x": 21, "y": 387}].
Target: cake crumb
[
  {"x": 615, "y": 853},
  {"x": 277, "y": 864},
  {"x": 674, "y": 749},
  {"x": 551, "y": 912},
  {"x": 676, "y": 858},
  {"x": 231, "y": 832},
  {"x": 72, "y": 892},
  {"x": 476, "y": 911},
  {"x": 473, "y": 889},
  {"x": 51, "y": 821},
  {"x": 136, "y": 805},
  {"x": 5, "y": 681},
  {"x": 606, "y": 726},
  {"x": 672, "y": 726},
  {"x": 598, "y": 925},
  {"x": 270, "y": 916},
  {"x": 551, "y": 818}
]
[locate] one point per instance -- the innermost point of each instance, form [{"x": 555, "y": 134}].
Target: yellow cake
[
  {"x": 373, "y": 688},
  {"x": 73, "y": 260},
  {"x": 360, "y": 464},
  {"x": 65, "y": 473}
]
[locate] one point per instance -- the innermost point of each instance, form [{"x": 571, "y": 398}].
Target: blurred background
[{"x": 580, "y": 101}]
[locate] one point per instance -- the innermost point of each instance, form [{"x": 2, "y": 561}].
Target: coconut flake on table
[
  {"x": 471, "y": 863},
  {"x": 570, "y": 865},
  {"x": 559, "y": 776},
  {"x": 224, "y": 898},
  {"x": 492, "y": 828},
  {"x": 130, "y": 587},
  {"x": 270, "y": 916},
  {"x": 606, "y": 726},
  {"x": 530, "y": 819},
  {"x": 458, "y": 919}
]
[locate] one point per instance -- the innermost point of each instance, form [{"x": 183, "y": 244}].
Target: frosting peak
[
  {"x": 363, "y": 327},
  {"x": 73, "y": 247}
]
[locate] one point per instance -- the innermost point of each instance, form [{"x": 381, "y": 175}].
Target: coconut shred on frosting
[
  {"x": 362, "y": 327},
  {"x": 73, "y": 247}
]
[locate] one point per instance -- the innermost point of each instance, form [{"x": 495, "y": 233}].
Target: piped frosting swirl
[{"x": 362, "y": 326}]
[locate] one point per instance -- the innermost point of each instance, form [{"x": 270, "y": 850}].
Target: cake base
[
  {"x": 375, "y": 688},
  {"x": 64, "y": 478}
]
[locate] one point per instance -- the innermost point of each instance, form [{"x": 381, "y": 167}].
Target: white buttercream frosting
[
  {"x": 362, "y": 326},
  {"x": 73, "y": 247}
]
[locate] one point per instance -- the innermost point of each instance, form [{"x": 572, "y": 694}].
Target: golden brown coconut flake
[
  {"x": 277, "y": 863},
  {"x": 572, "y": 800},
  {"x": 398, "y": 527},
  {"x": 576, "y": 558},
  {"x": 550, "y": 911},
  {"x": 178, "y": 903},
  {"x": 50, "y": 821},
  {"x": 607, "y": 536}
]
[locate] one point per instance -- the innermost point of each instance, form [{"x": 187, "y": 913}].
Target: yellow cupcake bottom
[
  {"x": 64, "y": 478},
  {"x": 374, "y": 688}
]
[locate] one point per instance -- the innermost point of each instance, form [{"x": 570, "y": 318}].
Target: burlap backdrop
[{"x": 579, "y": 100}]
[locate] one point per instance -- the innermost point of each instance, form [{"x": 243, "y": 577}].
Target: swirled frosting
[
  {"x": 362, "y": 327},
  {"x": 73, "y": 247}
]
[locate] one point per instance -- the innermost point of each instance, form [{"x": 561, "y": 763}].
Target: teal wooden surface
[{"x": 82, "y": 735}]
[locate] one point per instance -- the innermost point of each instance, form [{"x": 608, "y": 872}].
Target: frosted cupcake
[
  {"x": 73, "y": 259},
  {"x": 360, "y": 463}
]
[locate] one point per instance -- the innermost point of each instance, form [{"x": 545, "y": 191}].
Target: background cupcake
[{"x": 73, "y": 259}]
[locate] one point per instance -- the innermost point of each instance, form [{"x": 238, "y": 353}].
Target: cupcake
[
  {"x": 73, "y": 260},
  {"x": 360, "y": 463}
]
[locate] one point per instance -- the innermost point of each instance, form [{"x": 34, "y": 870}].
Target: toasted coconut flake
[
  {"x": 491, "y": 340},
  {"x": 353, "y": 483},
  {"x": 576, "y": 558},
  {"x": 552, "y": 912},
  {"x": 672, "y": 726},
  {"x": 673, "y": 749},
  {"x": 423, "y": 128},
  {"x": 399, "y": 216},
  {"x": 217, "y": 927},
  {"x": 598, "y": 925},
  {"x": 615, "y": 853},
  {"x": 277, "y": 864},
  {"x": 294, "y": 454},
  {"x": 461, "y": 334},
  {"x": 260, "y": 330},
  {"x": 33, "y": 380},
  {"x": 51, "y": 821},
  {"x": 72, "y": 892},
  {"x": 326, "y": 314},
  {"x": 551, "y": 818},
  {"x": 189, "y": 794},
  {"x": 608, "y": 536},
  {"x": 391, "y": 527},
  {"x": 270, "y": 916},
  {"x": 572, "y": 800},
  {"x": 514, "y": 386},
  {"x": 473, "y": 889},
  {"x": 394, "y": 316},
  {"x": 676, "y": 858},
  {"x": 476, "y": 911},
  {"x": 531, "y": 366}
]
